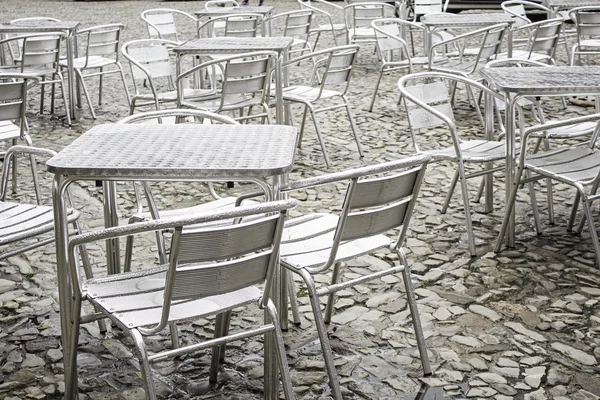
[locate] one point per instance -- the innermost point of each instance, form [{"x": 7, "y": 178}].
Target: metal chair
[
  {"x": 329, "y": 79},
  {"x": 576, "y": 166},
  {"x": 15, "y": 51},
  {"x": 218, "y": 3},
  {"x": 234, "y": 25},
  {"x": 428, "y": 105},
  {"x": 587, "y": 24},
  {"x": 102, "y": 50},
  {"x": 200, "y": 280},
  {"x": 359, "y": 17},
  {"x": 150, "y": 60},
  {"x": 331, "y": 13},
  {"x": 161, "y": 23},
  {"x": 296, "y": 24},
  {"x": 13, "y": 122},
  {"x": 41, "y": 57},
  {"x": 321, "y": 243},
  {"x": 245, "y": 85},
  {"x": 543, "y": 38}
]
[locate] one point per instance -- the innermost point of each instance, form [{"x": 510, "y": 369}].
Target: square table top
[
  {"x": 572, "y": 3},
  {"x": 471, "y": 19},
  {"x": 234, "y": 45},
  {"x": 235, "y": 10},
  {"x": 539, "y": 80},
  {"x": 37, "y": 26},
  {"x": 179, "y": 151}
]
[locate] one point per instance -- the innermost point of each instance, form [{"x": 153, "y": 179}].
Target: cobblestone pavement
[{"x": 520, "y": 324}]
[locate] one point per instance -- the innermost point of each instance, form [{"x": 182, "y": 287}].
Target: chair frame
[
  {"x": 359, "y": 16},
  {"x": 298, "y": 24},
  {"x": 234, "y": 20},
  {"x": 588, "y": 27},
  {"x": 373, "y": 201},
  {"x": 100, "y": 42},
  {"x": 330, "y": 26},
  {"x": 155, "y": 31},
  {"x": 175, "y": 289}
]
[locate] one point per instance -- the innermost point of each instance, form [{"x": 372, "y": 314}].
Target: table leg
[
  {"x": 279, "y": 118},
  {"x": 71, "y": 75},
  {"x": 510, "y": 162},
  {"x": 61, "y": 236},
  {"x": 509, "y": 49},
  {"x": 489, "y": 132},
  {"x": 286, "y": 82},
  {"x": 111, "y": 218}
]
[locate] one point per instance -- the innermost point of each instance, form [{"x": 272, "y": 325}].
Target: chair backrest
[
  {"x": 544, "y": 36},
  {"x": 424, "y": 7},
  {"x": 16, "y": 51},
  {"x": 390, "y": 33},
  {"x": 296, "y": 23},
  {"x": 587, "y": 22},
  {"x": 361, "y": 15},
  {"x": 428, "y": 104},
  {"x": 333, "y": 13},
  {"x": 40, "y": 49},
  {"x": 235, "y": 25},
  {"x": 335, "y": 65},
  {"x": 149, "y": 58},
  {"x": 161, "y": 22},
  {"x": 516, "y": 10},
  {"x": 13, "y": 98},
  {"x": 220, "y": 3},
  {"x": 103, "y": 40}
]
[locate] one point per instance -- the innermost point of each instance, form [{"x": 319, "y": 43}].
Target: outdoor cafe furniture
[
  {"x": 37, "y": 26},
  {"x": 333, "y": 16},
  {"x": 359, "y": 17},
  {"x": 200, "y": 280},
  {"x": 232, "y": 46},
  {"x": 13, "y": 121},
  {"x": 577, "y": 166},
  {"x": 234, "y": 25},
  {"x": 116, "y": 152},
  {"x": 542, "y": 40},
  {"x": 161, "y": 23},
  {"x": 102, "y": 50},
  {"x": 211, "y": 12},
  {"x": 428, "y": 105},
  {"x": 297, "y": 24},
  {"x": 557, "y": 5},
  {"x": 516, "y": 83},
  {"x": 435, "y": 22},
  {"x": 335, "y": 66},
  {"x": 587, "y": 24},
  {"x": 378, "y": 198}
]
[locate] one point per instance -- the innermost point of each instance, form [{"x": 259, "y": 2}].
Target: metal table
[
  {"x": 35, "y": 26},
  {"x": 263, "y": 154},
  {"x": 556, "y": 5},
  {"x": 265, "y": 11},
  {"x": 230, "y": 45},
  {"x": 448, "y": 20},
  {"x": 516, "y": 83}
]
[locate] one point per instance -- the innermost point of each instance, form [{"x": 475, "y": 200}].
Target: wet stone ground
[{"x": 520, "y": 324}]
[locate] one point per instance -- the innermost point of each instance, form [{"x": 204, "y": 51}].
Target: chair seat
[
  {"x": 172, "y": 95},
  {"x": 232, "y": 102},
  {"x": 9, "y": 130},
  {"x": 135, "y": 299},
  {"x": 362, "y": 34},
  {"x": 328, "y": 27},
  {"x": 307, "y": 242},
  {"x": 524, "y": 55},
  {"x": 305, "y": 93},
  {"x": 592, "y": 44},
  {"x": 473, "y": 151},
  {"x": 20, "y": 221},
  {"x": 569, "y": 165},
  {"x": 93, "y": 62},
  {"x": 571, "y": 131}
]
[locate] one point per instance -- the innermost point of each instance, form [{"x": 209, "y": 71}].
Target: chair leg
[
  {"x": 100, "y": 86},
  {"x": 64, "y": 96},
  {"x": 353, "y": 126},
  {"x": 588, "y": 215},
  {"x": 174, "y": 335},
  {"x": 376, "y": 89},
  {"x": 218, "y": 352},
  {"x": 465, "y": 193},
  {"x": 284, "y": 369},
  {"x": 52, "y": 94},
  {"x": 87, "y": 94},
  {"x": 574, "y": 209},
  {"x": 318, "y": 129},
  {"x": 302, "y": 126},
  {"x": 534, "y": 207},
  {"x": 128, "y": 254},
  {"x": 34, "y": 174},
  {"x": 124, "y": 83},
  {"x": 144, "y": 363},
  {"x": 323, "y": 337},
  {"x": 450, "y": 193},
  {"x": 42, "y": 93},
  {"x": 414, "y": 313},
  {"x": 293, "y": 299},
  {"x": 509, "y": 209},
  {"x": 331, "y": 296},
  {"x": 14, "y": 170},
  {"x": 71, "y": 377}
]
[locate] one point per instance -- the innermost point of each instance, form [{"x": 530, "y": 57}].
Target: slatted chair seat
[
  {"x": 474, "y": 151},
  {"x": 92, "y": 62},
  {"x": 576, "y": 164},
  {"x": 9, "y": 130},
  {"x": 171, "y": 96},
  {"x": 18, "y": 221},
  {"x": 306, "y": 93},
  {"x": 136, "y": 298}
]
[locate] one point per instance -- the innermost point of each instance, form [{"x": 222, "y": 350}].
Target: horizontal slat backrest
[
  {"x": 208, "y": 245},
  {"x": 41, "y": 50},
  {"x": 433, "y": 94},
  {"x": 588, "y": 23},
  {"x": 104, "y": 42},
  {"x": 545, "y": 37},
  {"x": 386, "y": 42},
  {"x": 199, "y": 281},
  {"x": 491, "y": 44},
  {"x": 298, "y": 24},
  {"x": 248, "y": 76},
  {"x": 422, "y": 7},
  {"x": 241, "y": 27},
  {"x": 364, "y": 15},
  {"x": 379, "y": 204},
  {"x": 163, "y": 22},
  {"x": 154, "y": 58},
  {"x": 339, "y": 68}
]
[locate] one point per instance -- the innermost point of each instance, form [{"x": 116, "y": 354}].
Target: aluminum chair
[
  {"x": 41, "y": 57},
  {"x": 329, "y": 79},
  {"x": 424, "y": 7},
  {"x": 102, "y": 50},
  {"x": 428, "y": 105},
  {"x": 296, "y": 24},
  {"x": 245, "y": 85},
  {"x": 587, "y": 23},
  {"x": 576, "y": 166},
  {"x": 359, "y": 17},
  {"x": 331, "y": 13},
  {"x": 161, "y": 23},
  {"x": 15, "y": 51},
  {"x": 13, "y": 122},
  {"x": 218, "y": 3},
  {"x": 151, "y": 61},
  {"x": 234, "y": 25},
  {"x": 321, "y": 243},
  {"x": 543, "y": 38},
  {"x": 200, "y": 280}
]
